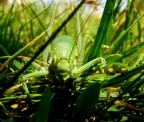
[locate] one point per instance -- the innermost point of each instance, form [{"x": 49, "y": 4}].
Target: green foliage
[
  {"x": 104, "y": 25},
  {"x": 87, "y": 101},
  {"x": 43, "y": 110},
  {"x": 31, "y": 88}
]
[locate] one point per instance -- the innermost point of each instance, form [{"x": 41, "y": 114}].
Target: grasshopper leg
[{"x": 77, "y": 71}]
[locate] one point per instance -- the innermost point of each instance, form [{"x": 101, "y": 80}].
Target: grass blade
[
  {"x": 20, "y": 51},
  {"x": 104, "y": 24},
  {"x": 87, "y": 100},
  {"x": 43, "y": 110},
  {"x": 115, "y": 46},
  {"x": 123, "y": 76}
]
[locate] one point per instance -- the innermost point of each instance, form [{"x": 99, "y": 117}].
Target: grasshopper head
[{"x": 63, "y": 66}]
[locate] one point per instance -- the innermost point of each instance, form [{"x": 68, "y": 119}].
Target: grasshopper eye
[{"x": 63, "y": 66}]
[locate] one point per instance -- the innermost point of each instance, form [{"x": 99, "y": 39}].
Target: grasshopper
[{"x": 63, "y": 58}]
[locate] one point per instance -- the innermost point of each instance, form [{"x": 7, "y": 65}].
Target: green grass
[{"x": 30, "y": 92}]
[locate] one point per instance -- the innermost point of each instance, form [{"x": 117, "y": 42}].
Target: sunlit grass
[{"x": 28, "y": 87}]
